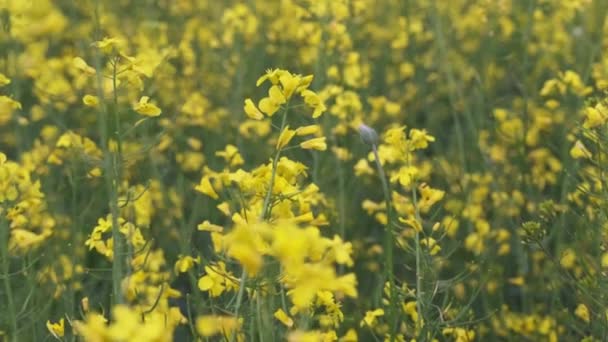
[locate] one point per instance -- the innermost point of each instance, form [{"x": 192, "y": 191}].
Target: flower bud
[{"x": 368, "y": 134}]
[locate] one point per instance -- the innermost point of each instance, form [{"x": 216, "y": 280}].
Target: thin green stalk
[
  {"x": 388, "y": 246},
  {"x": 111, "y": 170},
  {"x": 114, "y": 178},
  {"x": 341, "y": 201},
  {"x": 259, "y": 317},
  {"x": 12, "y": 316},
  {"x": 266, "y": 206},
  {"x": 419, "y": 291}
]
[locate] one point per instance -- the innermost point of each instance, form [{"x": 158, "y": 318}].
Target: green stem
[
  {"x": 388, "y": 246},
  {"x": 419, "y": 291},
  {"x": 111, "y": 169},
  {"x": 263, "y": 215},
  {"x": 4, "y": 231},
  {"x": 266, "y": 206}
]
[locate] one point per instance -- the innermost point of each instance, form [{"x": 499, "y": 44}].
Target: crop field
[{"x": 303, "y": 170}]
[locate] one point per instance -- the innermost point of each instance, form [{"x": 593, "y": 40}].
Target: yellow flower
[
  {"x": 211, "y": 325},
  {"x": 350, "y": 336},
  {"x": 276, "y": 96},
  {"x": 81, "y": 65},
  {"x": 283, "y": 318},
  {"x": 4, "y": 80},
  {"x": 582, "y": 312},
  {"x": 273, "y": 102},
  {"x": 370, "y": 318},
  {"x": 579, "y": 150},
  {"x": 419, "y": 139},
  {"x": 431, "y": 244},
  {"x": 210, "y": 227},
  {"x": 313, "y": 101},
  {"x": 85, "y": 304},
  {"x": 306, "y": 336},
  {"x": 252, "y": 111},
  {"x": 93, "y": 328},
  {"x": 90, "y": 100},
  {"x": 245, "y": 244},
  {"x": 56, "y": 329},
  {"x": 285, "y": 137},
  {"x": 412, "y": 222},
  {"x": 605, "y": 260},
  {"x": 290, "y": 83},
  {"x": 267, "y": 106},
  {"x": 108, "y": 45},
  {"x": 568, "y": 259},
  {"x": 185, "y": 263},
  {"x": 206, "y": 188},
  {"x": 231, "y": 155},
  {"x": 410, "y": 309},
  {"x": 517, "y": 281},
  {"x": 308, "y": 130},
  {"x": 217, "y": 280},
  {"x": 595, "y": 116},
  {"x": 314, "y": 144},
  {"x": 143, "y": 107},
  {"x": 272, "y": 75},
  {"x": 428, "y": 197}
]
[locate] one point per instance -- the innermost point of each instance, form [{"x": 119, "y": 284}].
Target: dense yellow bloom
[
  {"x": 93, "y": 328},
  {"x": 298, "y": 233},
  {"x": 129, "y": 325},
  {"x": 308, "y": 279},
  {"x": 459, "y": 334},
  {"x": 245, "y": 243}
]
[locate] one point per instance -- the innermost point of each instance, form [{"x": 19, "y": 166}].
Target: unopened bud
[
  {"x": 85, "y": 304},
  {"x": 368, "y": 135}
]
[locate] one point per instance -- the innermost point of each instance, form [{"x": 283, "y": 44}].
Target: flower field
[{"x": 303, "y": 170}]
